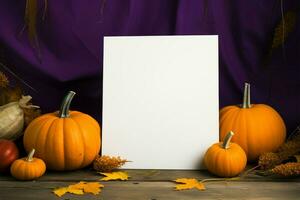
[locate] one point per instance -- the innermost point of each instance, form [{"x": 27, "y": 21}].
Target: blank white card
[{"x": 160, "y": 100}]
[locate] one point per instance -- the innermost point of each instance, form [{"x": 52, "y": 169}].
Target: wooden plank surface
[
  {"x": 152, "y": 185},
  {"x": 144, "y": 175}
]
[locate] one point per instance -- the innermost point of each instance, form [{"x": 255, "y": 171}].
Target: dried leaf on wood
[
  {"x": 80, "y": 188},
  {"x": 188, "y": 183},
  {"x": 60, "y": 191},
  {"x": 123, "y": 176},
  {"x": 93, "y": 188}
]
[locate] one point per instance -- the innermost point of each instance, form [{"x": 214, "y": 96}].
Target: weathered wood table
[{"x": 151, "y": 185}]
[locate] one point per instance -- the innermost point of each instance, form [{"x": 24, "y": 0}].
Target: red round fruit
[{"x": 8, "y": 154}]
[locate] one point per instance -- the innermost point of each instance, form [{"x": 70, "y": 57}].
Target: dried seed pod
[
  {"x": 268, "y": 160},
  {"x": 288, "y": 149},
  {"x": 288, "y": 169},
  {"x": 285, "y": 151}
]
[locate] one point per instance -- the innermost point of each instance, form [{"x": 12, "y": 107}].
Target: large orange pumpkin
[
  {"x": 65, "y": 140},
  {"x": 258, "y": 127}
]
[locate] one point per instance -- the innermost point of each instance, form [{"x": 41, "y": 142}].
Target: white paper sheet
[{"x": 160, "y": 100}]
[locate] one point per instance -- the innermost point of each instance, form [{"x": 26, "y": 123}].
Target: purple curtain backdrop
[{"x": 71, "y": 40}]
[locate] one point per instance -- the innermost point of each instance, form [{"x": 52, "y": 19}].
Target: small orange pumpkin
[
  {"x": 28, "y": 168},
  {"x": 258, "y": 127},
  {"x": 225, "y": 159},
  {"x": 65, "y": 140}
]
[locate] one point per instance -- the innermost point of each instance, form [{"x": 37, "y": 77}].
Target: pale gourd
[{"x": 12, "y": 118}]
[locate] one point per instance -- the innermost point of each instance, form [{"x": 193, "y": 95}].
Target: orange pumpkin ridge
[
  {"x": 65, "y": 140},
  {"x": 258, "y": 127}
]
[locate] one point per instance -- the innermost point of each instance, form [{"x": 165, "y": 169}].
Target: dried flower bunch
[{"x": 107, "y": 163}]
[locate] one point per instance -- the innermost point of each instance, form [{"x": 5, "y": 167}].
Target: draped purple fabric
[{"x": 71, "y": 40}]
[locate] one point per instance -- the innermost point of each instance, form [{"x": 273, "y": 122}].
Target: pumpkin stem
[
  {"x": 65, "y": 106},
  {"x": 246, "y": 99},
  {"x": 227, "y": 139},
  {"x": 30, "y": 155}
]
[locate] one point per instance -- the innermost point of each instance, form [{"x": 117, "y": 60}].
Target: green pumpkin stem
[
  {"x": 30, "y": 155},
  {"x": 226, "y": 142},
  {"x": 65, "y": 106},
  {"x": 246, "y": 99}
]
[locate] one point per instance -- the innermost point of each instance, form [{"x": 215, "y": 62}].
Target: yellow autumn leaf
[
  {"x": 63, "y": 190},
  {"x": 114, "y": 176},
  {"x": 76, "y": 191},
  {"x": 60, "y": 191},
  {"x": 93, "y": 187},
  {"x": 188, "y": 183},
  {"x": 80, "y": 188}
]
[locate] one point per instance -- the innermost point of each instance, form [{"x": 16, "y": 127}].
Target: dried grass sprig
[
  {"x": 107, "y": 163},
  {"x": 3, "y": 80},
  {"x": 31, "y": 19}
]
